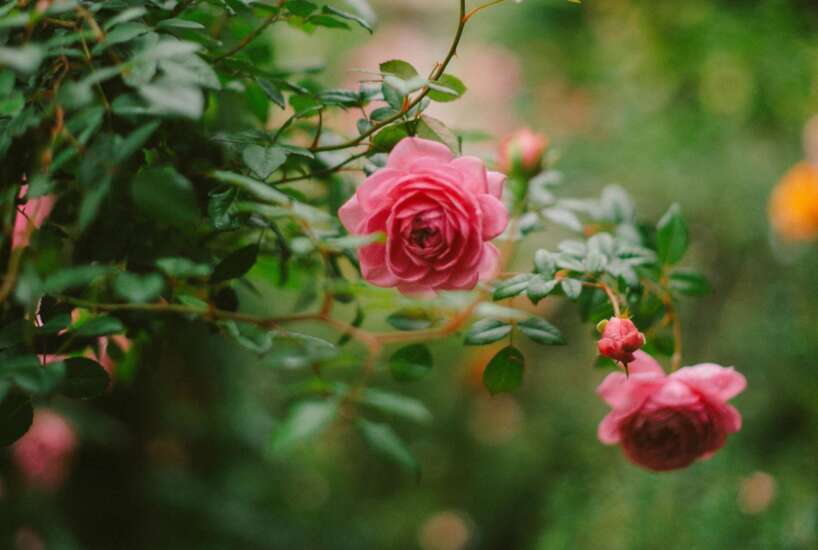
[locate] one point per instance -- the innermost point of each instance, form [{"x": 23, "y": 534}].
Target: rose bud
[
  {"x": 665, "y": 422},
  {"x": 44, "y": 452},
  {"x": 438, "y": 214},
  {"x": 522, "y": 152},
  {"x": 620, "y": 338}
]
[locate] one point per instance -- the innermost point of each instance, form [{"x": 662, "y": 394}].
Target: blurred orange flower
[{"x": 793, "y": 208}]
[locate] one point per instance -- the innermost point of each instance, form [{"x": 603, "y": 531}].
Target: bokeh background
[{"x": 700, "y": 102}]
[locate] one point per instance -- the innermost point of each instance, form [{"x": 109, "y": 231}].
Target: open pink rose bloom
[
  {"x": 665, "y": 422},
  {"x": 438, "y": 213}
]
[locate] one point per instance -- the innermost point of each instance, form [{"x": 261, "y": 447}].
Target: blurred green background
[{"x": 699, "y": 102}]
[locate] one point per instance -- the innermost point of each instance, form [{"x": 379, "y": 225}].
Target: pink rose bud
[
  {"x": 30, "y": 216},
  {"x": 665, "y": 422},
  {"x": 522, "y": 151},
  {"x": 620, "y": 338},
  {"x": 438, "y": 214},
  {"x": 44, "y": 452}
]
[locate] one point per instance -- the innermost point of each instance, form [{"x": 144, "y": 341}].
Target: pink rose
[
  {"x": 44, "y": 452},
  {"x": 438, "y": 214},
  {"x": 523, "y": 150},
  {"x": 30, "y": 216},
  {"x": 620, "y": 338},
  {"x": 665, "y": 422}
]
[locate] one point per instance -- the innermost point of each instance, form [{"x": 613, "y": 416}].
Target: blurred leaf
[
  {"x": 167, "y": 196},
  {"x": 84, "y": 378},
  {"x": 99, "y": 326},
  {"x": 73, "y": 277},
  {"x": 25, "y": 59},
  {"x": 349, "y": 16},
  {"x": 539, "y": 287},
  {"x": 16, "y": 415},
  {"x": 504, "y": 373},
  {"x": 385, "y": 441},
  {"x": 487, "y": 331},
  {"x": 235, "y": 265},
  {"x": 385, "y": 140},
  {"x": 410, "y": 363},
  {"x": 272, "y": 92},
  {"x": 511, "y": 287},
  {"x": 263, "y": 161},
  {"x": 572, "y": 288},
  {"x": 671, "y": 236},
  {"x": 183, "y": 267},
  {"x": 410, "y": 319},
  {"x": 396, "y": 404},
  {"x": 302, "y": 8},
  {"x": 689, "y": 283},
  {"x": 541, "y": 331},
  {"x": 139, "y": 288},
  {"x": 304, "y": 420}
]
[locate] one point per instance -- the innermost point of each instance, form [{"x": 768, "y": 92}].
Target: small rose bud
[
  {"x": 522, "y": 152},
  {"x": 620, "y": 338}
]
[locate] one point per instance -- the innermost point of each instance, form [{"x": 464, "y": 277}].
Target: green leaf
[
  {"x": 263, "y": 161},
  {"x": 175, "y": 23},
  {"x": 671, "y": 236},
  {"x": 305, "y": 105},
  {"x": 383, "y": 439},
  {"x": 504, "y": 373},
  {"x": 73, "y": 277},
  {"x": 349, "y": 16},
  {"x": 511, "y": 287},
  {"x": 135, "y": 140},
  {"x": 235, "y": 265},
  {"x": 84, "y": 378},
  {"x": 487, "y": 331},
  {"x": 25, "y": 59},
  {"x": 301, "y": 8},
  {"x": 689, "y": 283},
  {"x": 272, "y": 92},
  {"x": 410, "y": 363},
  {"x": 446, "y": 88},
  {"x": 399, "y": 68},
  {"x": 139, "y": 288},
  {"x": 545, "y": 262},
  {"x": 541, "y": 331},
  {"x": 99, "y": 326},
  {"x": 539, "y": 287},
  {"x": 167, "y": 196},
  {"x": 410, "y": 319},
  {"x": 435, "y": 130},
  {"x": 305, "y": 420},
  {"x": 183, "y": 267},
  {"x": 572, "y": 288},
  {"x": 16, "y": 415},
  {"x": 168, "y": 97},
  {"x": 385, "y": 140},
  {"x": 36, "y": 378},
  {"x": 396, "y": 404}
]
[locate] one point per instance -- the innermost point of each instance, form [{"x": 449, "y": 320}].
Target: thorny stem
[{"x": 436, "y": 74}]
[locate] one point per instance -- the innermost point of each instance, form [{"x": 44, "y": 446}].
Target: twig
[
  {"x": 272, "y": 18},
  {"x": 436, "y": 74}
]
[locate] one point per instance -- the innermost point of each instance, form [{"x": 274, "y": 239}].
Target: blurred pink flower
[
  {"x": 30, "y": 216},
  {"x": 665, "y": 422},
  {"x": 43, "y": 454},
  {"x": 620, "y": 339},
  {"x": 523, "y": 150},
  {"x": 102, "y": 355},
  {"x": 438, "y": 213}
]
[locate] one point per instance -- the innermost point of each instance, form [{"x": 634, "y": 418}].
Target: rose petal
[
  {"x": 473, "y": 172},
  {"x": 351, "y": 214},
  {"x": 490, "y": 262},
  {"x": 496, "y": 182},
  {"x": 719, "y": 382},
  {"x": 410, "y": 149},
  {"x": 495, "y": 216}
]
